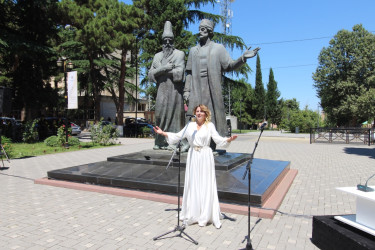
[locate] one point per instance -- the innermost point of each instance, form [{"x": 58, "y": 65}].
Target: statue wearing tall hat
[
  {"x": 204, "y": 69},
  {"x": 168, "y": 72}
]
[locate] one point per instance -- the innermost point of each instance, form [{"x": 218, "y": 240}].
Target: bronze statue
[
  {"x": 168, "y": 72},
  {"x": 206, "y": 63}
]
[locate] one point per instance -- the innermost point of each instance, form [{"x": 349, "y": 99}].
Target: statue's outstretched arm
[
  {"x": 242, "y": 59},
  {"x": 250, "y": 53}
]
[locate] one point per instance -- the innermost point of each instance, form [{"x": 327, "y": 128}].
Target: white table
[{"x": 364, "y": 219}]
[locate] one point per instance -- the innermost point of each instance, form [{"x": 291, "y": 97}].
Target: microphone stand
[
  {"x": 365, "y": 188},
  {"x": 178, "y": 227},
  {"x": 248, "y": 171},
  {"x": 3, "y": 152}
]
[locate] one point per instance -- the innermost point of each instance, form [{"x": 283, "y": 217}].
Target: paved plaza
[{"x": 34, "y": 216}]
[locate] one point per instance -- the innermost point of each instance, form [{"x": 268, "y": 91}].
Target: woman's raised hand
[
  {"x": 232, "y": 138},
  {"x": 158, "y": 130}
]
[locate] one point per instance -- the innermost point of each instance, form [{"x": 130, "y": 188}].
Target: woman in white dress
[{"x": 200, "y": 203}]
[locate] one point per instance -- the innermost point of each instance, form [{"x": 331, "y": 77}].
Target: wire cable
[
  {"x": 293, "y": 41},
  {"x": 297, "y": 40}
]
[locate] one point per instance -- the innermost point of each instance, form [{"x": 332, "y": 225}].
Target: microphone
[
  {"x": 263, "y": 125},
  {"x": 365, "y": 188},
  {"x": 192, "y": 116}
]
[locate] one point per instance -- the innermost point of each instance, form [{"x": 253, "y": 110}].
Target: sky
[
  {"x": 268, "y": 24},
  {"x": 278, "y": 27}
]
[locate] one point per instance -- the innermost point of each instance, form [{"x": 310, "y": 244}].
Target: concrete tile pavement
[{"x": 43, "y": 217}]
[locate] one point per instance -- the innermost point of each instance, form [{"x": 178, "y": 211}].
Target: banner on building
[{"x": 72, "y": 90}]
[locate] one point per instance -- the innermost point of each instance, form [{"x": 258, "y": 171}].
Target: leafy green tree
[
  {"x": 27, "y": 59},
  {"x": 304, "y": 120},
  {"x": 259, "y": 100},
  {"x": 272, "y": 96},
  {"x": 7, "y": 38},
  {"x": 104, "y": 64},
  {"x": 72, "y": 49},
  {"x": 288, "y": 107},
  {"x": 94, "y": 32},
  {"x": 123, "y": 19},
  {"x": 243, "y": 98},
  {"x": 345, "y": 77}
]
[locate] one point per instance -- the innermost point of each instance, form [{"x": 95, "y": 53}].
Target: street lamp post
[
  {"x": 137, "y": 39},
  {"x": 65, "y": 64},
  {"x": 138, "y": 36},
  {"x": 136, "y": 86}
]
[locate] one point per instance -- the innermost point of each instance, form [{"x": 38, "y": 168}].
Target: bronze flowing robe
[
  {"x": 169, "y": 107},
  {"x": 208, "y": 90}
]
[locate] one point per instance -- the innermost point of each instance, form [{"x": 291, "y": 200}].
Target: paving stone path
[{"x": 36, "y": 216}]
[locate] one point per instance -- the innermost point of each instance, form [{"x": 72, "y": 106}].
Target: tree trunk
[
  {"x": 95, "y": 90},
  {"x": 120, "y": 109}
]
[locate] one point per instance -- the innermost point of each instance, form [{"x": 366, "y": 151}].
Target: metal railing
[{"x": 342, "y": 135}]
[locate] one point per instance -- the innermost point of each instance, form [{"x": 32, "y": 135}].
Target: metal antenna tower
[{"x": 227, "y": 13}]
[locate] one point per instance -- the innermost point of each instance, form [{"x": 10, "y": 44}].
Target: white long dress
[{"x": 200, "y": 203}]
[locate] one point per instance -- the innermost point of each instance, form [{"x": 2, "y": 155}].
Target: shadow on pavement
[{"x": 370, "y": 152}]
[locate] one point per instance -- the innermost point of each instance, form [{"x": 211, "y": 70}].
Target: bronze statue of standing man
[
  {"x": 206, "y": 63},
  {"x": 168, "y": 72}
]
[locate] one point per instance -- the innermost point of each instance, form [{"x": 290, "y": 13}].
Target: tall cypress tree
[
  {"x": 271, "y": 98},
  {"x": 259, "y": 100}
]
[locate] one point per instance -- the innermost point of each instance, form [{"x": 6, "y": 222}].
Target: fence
[{"x": 342, "y": 135}]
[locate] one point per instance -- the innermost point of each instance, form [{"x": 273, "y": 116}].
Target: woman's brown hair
[{"x": 205, "y": 109}]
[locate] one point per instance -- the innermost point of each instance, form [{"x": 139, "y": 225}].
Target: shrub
[
  {"x": 73, "y": 141},
  {"x": 146, "y": 131},
  {"x": 55, "y": 141},
  {"x": 52, "y": 141},
  {"x": 30, "y": 133},
  {"x": 61, "y": 134},
  {"x": 104, "y": 135}
]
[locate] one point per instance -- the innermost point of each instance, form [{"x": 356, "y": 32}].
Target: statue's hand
[
  {"x": 168, "y": 67},
  {"x": 250, "y": 53},
  {"x": 186, "y": 95}
]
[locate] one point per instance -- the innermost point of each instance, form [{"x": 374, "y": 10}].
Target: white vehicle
[{"x": 76, "y": 130}]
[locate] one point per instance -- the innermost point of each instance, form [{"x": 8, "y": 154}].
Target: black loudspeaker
[{"x": 5, "y": 101}]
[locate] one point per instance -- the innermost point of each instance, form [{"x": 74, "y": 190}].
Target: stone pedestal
[{"x": 146, "y": 170}]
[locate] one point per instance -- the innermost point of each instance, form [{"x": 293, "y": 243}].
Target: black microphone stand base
[
  {"x": 248, "y": 173},
  {"x": 249, "y": 246},
  {"x": 180, "y": 229}
]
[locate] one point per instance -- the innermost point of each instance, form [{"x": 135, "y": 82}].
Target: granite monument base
[{"x": 146, "y": 170}]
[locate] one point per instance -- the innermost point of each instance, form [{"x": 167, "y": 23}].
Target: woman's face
[{"x": 201, "y": 116}]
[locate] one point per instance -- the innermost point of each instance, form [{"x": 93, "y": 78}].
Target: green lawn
[
  {"x": 243, "y": 131},
  {"x": 22, "y": 150}
]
